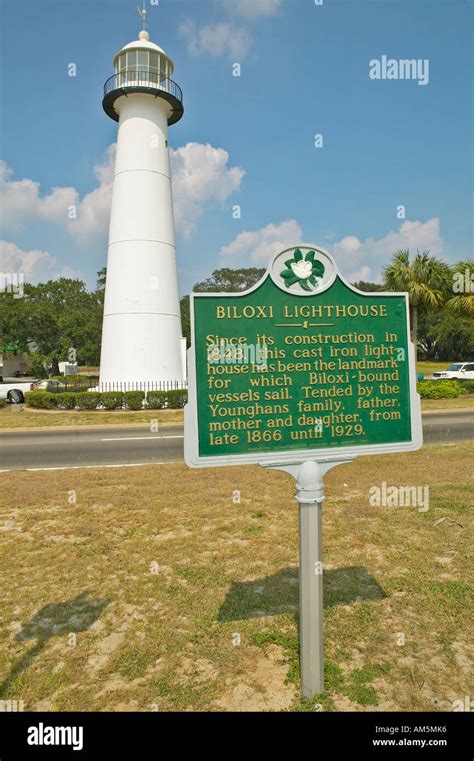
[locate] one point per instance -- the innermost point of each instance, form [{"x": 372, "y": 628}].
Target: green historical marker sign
[
  {"x": 302, "y": 365},
  {"x": 301, "y": 373}
]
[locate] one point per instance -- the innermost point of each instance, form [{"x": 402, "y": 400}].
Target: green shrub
[
  {"x": 172, "y": 400},
  {"x": 134, "y": 399},
  {"x": 3, "y": 403},
  {"x": 32, "y": 398},
  {"x": 112, "y": 400},
  {"x": 65, "y": 400},
  {"x": 88, "y": 400},
  {"x": 157, "y": 400},
  {"x": 447, "y": 389},
  {"x": 177, "y": 399},
  {"x": 467, "y": 384},
  {"x": 42, "y": 400}
]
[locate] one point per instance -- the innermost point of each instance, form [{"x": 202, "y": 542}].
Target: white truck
[
  {"x": 14, "y": 391},
  {"x": 456, "y": 370}
]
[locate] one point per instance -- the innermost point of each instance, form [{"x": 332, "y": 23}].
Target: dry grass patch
[
  {"x": 32, "y": 419},
  {"x": 155, "y": 591},
  {"x": 459, "y": 403}
]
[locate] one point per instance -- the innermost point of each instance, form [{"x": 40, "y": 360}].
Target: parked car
[
  {"x": 456, "y": 370},
  {"x": 14, "y": 392}
]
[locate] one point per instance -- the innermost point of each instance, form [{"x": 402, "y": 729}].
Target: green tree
[
  {"x": 463, "y": 286},
  {"x": 54, "y": 317},
  {"x": 225, "y": 280},
  {"x": 362, "y": 285},
  {"x": 65, "y": 317},
  {"x": 186, "y": 319},
  {"x": 440, "y": 337},
  {"x": 229, "y": 280},
  {"x": 13, "y": 326},
  {"x": 100, "y": 285},
  {"x": 425, "y": 279}
]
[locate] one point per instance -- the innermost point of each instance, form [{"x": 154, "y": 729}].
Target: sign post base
[{"x": 310, "y": 496}]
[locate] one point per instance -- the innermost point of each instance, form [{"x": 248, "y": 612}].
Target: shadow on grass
[
  {"x": 279, "y": 593},
  {"x": 57, "y": 619}
]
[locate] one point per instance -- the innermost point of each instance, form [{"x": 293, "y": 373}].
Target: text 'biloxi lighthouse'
[{"x": 142, "y": 337}]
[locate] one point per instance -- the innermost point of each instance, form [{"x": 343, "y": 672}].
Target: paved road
[
  {"x": 448, "y": 427},
  {"x": 120, "y": 446},
  {"x": 100, "y": 446}
]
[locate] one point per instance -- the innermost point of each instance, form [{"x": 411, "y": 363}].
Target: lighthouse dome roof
[{"x": 143, "y": 43}]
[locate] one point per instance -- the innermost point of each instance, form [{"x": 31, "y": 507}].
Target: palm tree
[
  {"x": 425, "y": 279},
  {"x": 463, "y": 285}
]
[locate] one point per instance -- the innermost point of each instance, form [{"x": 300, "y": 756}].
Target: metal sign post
[{"x": 310, "y": 496}]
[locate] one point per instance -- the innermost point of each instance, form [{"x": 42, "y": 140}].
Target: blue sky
[{"x": 245, "y": 140}]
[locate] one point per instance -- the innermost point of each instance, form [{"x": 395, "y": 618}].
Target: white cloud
[
  {"x": 93, "y": 212},
  {"x": 218, "y": 39},
  {"x": 364, "y": 260},
  {"x": 260, "y": 245},
  {"x": 200, "y": 175},
  {"x": 21, "y": 202},
  {"x": 35, "y": 265},
  {"x": 363, "y": 274},
  {"x": 357, "y": 259},
  {"x": 226, "y": 37},
  {"x": 251, "y": 9}
]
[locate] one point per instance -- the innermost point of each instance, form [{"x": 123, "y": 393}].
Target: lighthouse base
[{"x": 142, "y": 350}]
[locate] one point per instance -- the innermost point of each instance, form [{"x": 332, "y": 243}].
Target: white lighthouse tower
[{"x": 142, "y": 338}]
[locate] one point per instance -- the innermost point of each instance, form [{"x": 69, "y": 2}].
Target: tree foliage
[
  {"x": 61, "y": 315},
  {"x": 52, "y": 319},
  {"x": 224, "y": 280},
  {"x": 462, "y": 303},
  {"x": 426, "y": 279},
  {"x": 229, "y": 280},
  {"x": 444, "y": 337},
  {"x": 362, "y": 285}
]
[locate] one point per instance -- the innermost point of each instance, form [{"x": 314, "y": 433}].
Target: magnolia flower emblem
[{"x": 303, "y": 270}]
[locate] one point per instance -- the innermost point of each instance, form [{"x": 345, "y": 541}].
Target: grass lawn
[
  {"x": 152, "y": 588},
  {"x": 31, "y": 418},
  {"x": 429, "y": 367},
  {"x": 464, "y": 402}
]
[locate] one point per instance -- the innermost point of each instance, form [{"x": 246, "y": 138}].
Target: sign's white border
[{"x": 191, "y": 430}]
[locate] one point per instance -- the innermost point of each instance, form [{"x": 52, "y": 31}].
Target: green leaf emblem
[{"x": 303, "y": 270}]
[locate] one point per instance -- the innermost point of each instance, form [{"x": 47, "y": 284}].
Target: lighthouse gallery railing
[{"x": 143, "y": 78}]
